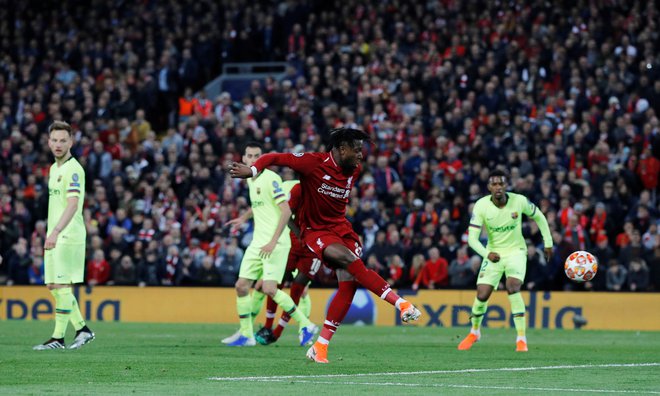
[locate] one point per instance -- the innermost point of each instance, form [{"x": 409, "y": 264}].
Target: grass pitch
[{"x": 189, "y": 360}]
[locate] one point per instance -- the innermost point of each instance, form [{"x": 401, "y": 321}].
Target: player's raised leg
[{"x": 340, "y": 256}]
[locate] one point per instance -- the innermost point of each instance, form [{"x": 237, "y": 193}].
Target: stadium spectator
[
  {"x": 36, "y": 271},
  {"x": 150, "y": 269},
  {"x": 98, "y": 270},
  {"x": 638, "y": 275},
  {"x": 208, "y": 274},
  {"x": 634, "y": 250},
  {"x": 538, "y": 270},
  {"x": 616, "y": 276},
  {"x": 188, "y": 274},
  {"x": 434, "y": 274},
  {"x": 125, "y": 274},
  {"x": 18, "y": 264},
  {"x": 395, "y": 275},
  {"x": 461, "y": 271}
]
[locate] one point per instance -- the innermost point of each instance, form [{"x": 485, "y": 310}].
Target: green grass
[{"x": 181, "y": 359}]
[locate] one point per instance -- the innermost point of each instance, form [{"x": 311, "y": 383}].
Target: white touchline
[
  {"x": 493, "y": 387},
  {"x": 460, "y": 371}
]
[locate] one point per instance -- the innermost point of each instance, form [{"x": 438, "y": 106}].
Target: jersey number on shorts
[{"x": 316, "y": 264}]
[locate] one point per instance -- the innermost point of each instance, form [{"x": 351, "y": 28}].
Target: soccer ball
[{"x": 581, "y": 266}]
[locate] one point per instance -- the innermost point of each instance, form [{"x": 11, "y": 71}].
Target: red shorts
[
  {"x": 318, "y": 240},
  {"x": 302, "y": 259},
  {"x": 307, "y": 264}
]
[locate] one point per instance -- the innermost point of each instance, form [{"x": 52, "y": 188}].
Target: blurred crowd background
[{"x": 565, "y": 97}]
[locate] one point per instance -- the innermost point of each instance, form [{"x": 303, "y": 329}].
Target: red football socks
[
  {"x": 372, "y": 281},
  {"x": 271, "y": 308},
  {"x": 338, "y": 309}
]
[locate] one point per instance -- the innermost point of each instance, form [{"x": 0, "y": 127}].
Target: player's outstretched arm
[
  {"x": 238, "y": 170},
  {"x": 301, "y": 163}
]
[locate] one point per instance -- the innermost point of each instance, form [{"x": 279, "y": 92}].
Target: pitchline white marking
[
  {"x": 525, "y": 388},
  {"x": 316, "y": 379},
  {"x": 485, "y": 370}
]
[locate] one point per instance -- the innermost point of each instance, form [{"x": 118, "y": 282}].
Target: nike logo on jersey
[{"x": 326, "y": 177}]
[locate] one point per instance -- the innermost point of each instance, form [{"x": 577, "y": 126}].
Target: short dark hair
[
  {"x": 253, "y": 144},
  {"x": 60, "y": 126},
  {"x": 498, "y": 173},
  {"x": 339, "y": 136}
]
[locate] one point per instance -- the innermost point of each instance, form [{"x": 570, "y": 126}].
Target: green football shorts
[
  {"x": 272, "y": 268},
  {"x": 511, "y": 265},
  {"x": 65, "y": 264}
]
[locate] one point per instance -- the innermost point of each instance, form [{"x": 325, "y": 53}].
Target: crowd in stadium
[{"x": 566, "y": 101}]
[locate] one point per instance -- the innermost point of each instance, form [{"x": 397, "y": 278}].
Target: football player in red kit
[{"x": 326, "y": 180}]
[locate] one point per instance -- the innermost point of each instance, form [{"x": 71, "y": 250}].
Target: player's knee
[
  {"x": 345, "y": 259},
  {"x": 339, "y": 257},
  {"x": 269, "y": 289},
  {"x": 512, "y": 289},
  {"x": 242, "y": 288},
  {"x": 344, "y": 276}
]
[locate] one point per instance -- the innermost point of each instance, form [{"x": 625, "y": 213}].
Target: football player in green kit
[{"x": 506, "y": 252}]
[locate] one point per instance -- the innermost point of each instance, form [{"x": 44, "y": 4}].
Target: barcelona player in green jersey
[
  {"x": 506, "y": 253},
  {"x": 64, "y": 248},
  {"x": 266, "y": 256}
]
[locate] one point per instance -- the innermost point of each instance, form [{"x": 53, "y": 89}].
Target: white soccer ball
[{"x": 581, "y": 266}]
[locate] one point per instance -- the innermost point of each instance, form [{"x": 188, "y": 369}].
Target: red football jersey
[
  {"x": 294, "y": 203},
  {"x": 294, "y": 200},
  {"x": 325, "y": 189}
]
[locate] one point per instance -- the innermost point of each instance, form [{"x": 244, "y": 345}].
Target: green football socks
[
  {"x": 63, "y": 305},
  {"x": 244, "y": 309},
  {"x": 518, "y": 312},
  {"x": 478, "y": 310},
  {"x": 257, "y": 303},
  {"x": 286, "y": 303}
]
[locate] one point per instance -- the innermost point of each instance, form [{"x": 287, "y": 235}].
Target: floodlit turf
[{"x": 189, "y": 359}]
